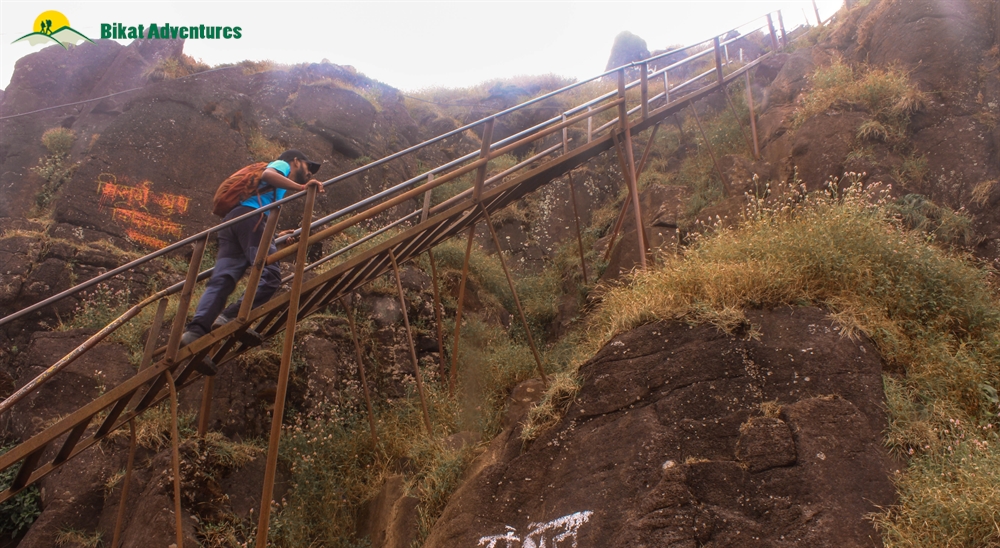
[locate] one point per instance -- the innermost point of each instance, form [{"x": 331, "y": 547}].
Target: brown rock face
[{"x": 666, "y": 446}]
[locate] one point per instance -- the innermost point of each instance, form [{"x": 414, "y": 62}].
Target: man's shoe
[
  {"x": 206, "y": 367},
  {"x": 221, "y": 321},
  {"x": 189, "y": 337}
]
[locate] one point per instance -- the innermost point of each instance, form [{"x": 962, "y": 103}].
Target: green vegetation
[
  {"x": 334, "y": 467},
  {"x": 54, "y": 169},
  {"x": 18, "y": 513}
]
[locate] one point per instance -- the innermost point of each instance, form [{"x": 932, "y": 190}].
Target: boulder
[
  {"x": 626, "y": 49},
  {"x": 667, "y": 444}
]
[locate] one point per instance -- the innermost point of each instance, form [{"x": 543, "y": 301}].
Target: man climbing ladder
[{"x": 238, "y": 245}]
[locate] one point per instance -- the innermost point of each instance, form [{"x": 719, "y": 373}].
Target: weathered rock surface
[{"x": 666, "y": 445}]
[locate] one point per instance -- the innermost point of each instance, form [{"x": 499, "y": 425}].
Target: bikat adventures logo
[{"x": 52, "y": 26}]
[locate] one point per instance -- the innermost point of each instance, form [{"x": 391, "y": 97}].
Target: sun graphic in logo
[
  {"x": 49, "y": 22},
  {"x": 52, "y": 26}
]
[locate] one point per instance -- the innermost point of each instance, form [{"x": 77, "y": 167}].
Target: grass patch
[
  {"x": 887, "y": 94},
  {"x": 54, "y": 169}
]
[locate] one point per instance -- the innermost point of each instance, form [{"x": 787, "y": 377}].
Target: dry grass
[
  {"x": 887, "y": 94},
  {"x": 932, "y": 313}
]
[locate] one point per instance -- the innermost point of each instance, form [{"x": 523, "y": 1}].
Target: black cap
[{"x": 292, "y": 154}]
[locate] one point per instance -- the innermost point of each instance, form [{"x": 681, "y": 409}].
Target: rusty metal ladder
[{"x": 177, "y": 367}]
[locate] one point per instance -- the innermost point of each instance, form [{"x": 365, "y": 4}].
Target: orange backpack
[{"x": 237, "y": 187}]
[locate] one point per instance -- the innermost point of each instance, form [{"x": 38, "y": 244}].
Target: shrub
[
  {"x": 887, "y": 94},
  {"x": 58, "y": 141},
  {"x": 18, "y": 513},
  {"x": 54, "y": 169}
]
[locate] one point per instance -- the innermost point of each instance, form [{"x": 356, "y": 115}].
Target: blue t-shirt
[{"x": 272, "y": 195}]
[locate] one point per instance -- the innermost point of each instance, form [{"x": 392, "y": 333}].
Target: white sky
[{"x": 413, "y": 45}]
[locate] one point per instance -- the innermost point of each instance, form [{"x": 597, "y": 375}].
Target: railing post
[
  {"x": 484, "y": 155},
  {"x": 630, "y": 171},
  {"x": 258, "y": 265},
  {"x": 154, "y": 333},
  {"x": 774, "y": 37},
  {"x": 590, "y": 126},
  {"x": 180, "y": 318},
  {"x": 718, "y": 60},
  {"x": 666, "y": 88},
  {"x": 284, "y": 371},
  {"x": 781, "y": 25},
  {"x": 753, "y": 116},
  {"x": 644, "y": 90},
  {"x": 572, "y": 197}
]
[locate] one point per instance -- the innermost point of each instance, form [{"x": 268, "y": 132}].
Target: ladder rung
[
  {"x": 74, "y": 436},
  {"x": 113, "y": 415},
  {"x": 27, "y": 467}
]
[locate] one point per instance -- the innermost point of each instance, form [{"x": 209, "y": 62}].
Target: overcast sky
[{"x": 414, "y": 45}]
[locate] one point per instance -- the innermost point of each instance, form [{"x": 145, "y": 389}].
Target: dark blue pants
[{"x": 237, "y": 251}]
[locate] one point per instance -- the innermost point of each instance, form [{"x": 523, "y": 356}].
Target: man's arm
[{"x": 274, "y": 178}]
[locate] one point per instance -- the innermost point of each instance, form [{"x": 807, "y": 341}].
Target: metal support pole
[
  {"x": 458, "y": 313},
  {"x": 154, "y": 333},
  {"x": 120, "y": 519},
  {"x": 484, "y": 153},
  {"x": 625, "y": 204},
  {"x": 643, "y": 91},
  {"x": 361, "y": 371},
  {"x": 732, "y": 108},
  {"x": 819, "y": 20},
  {"x": 513, "y": 291},
  {"x": 781, "y": 25},
  {"x": 572, "y": 198},
  {"x": 442, "y": 364},
  {"x": 413, "y": 349},
  {"x": 633, "y": 184},
  {"x": 185, "y": 300},
  {"x": 443, "y": 369},
  {"x": 175, "y": 459},
  {"x": 206, "y": 406},
  {"x": 427, "y": 199},
  {"x": 718, "y": 61},
  {"x": 258, "y": 265},
  {"x": 753, "y": 116},
  {"x": 645, "y": 153},
  {"x": 284, "y": 370},
  {"x": 666, "y": 89},
  {"x": 590, "y": 127},
  {"x": 708, "y": 145},
  {"x": 774, "y": 37}
]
